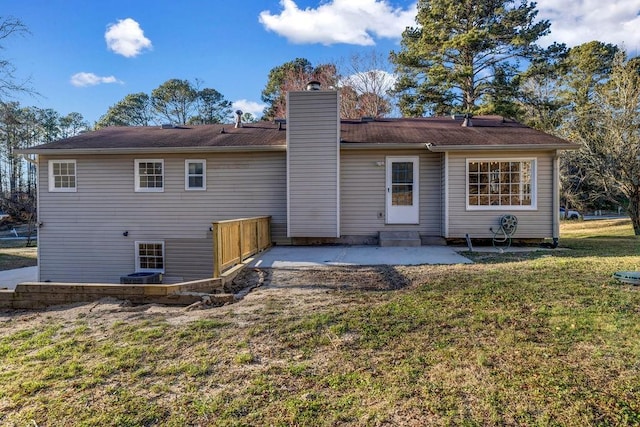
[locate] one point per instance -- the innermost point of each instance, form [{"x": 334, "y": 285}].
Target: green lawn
[{"x": 547, "y": 338}]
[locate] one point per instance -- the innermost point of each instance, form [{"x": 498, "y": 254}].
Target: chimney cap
[{"x": 313, "y": 85}]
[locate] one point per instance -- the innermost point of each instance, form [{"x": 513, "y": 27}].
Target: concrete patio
[
  {"x": 308, "y": 256},
  {"x": 10, "y": 278}
]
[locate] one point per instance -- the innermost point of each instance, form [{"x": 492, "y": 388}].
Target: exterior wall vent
[
  {"x": 313, "y": 85},
  {"x": 280, "y": 122},
  {"x": 141, "y": 279}
]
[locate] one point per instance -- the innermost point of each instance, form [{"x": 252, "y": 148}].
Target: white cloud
[
  {"x": 356, "y": 22},
  {"x": 126, "y": 38},
  {"x": 89, "y": 79},
  {"x": 255, "y": 108},
  {"x": 579, "y": 21}
]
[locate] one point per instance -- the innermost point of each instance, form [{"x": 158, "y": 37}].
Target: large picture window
[
  {"x": 149, "y": 175},
  {"x": 503, "y": 183},
  {"x": 62, "y": 175},
  {"x": 195, "y": 174},
  {"x": 150, "y": 257}
]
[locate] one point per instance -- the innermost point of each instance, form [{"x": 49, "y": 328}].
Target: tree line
[
  {"x": 175, "y": 101},
  {"x": 22, "y": 127},
  {"x": 364, "y": 92}
]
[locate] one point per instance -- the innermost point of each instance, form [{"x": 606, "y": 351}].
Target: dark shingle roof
[
  {"x": 441, "y": 133},
  {"x": 446, "y": 132},
  {"x": 119, "y": 137}
]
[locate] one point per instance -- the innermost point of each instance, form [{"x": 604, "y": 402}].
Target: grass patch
[
  {"x": 544, "y": 338},
  {"x": 14, "y": 254}
]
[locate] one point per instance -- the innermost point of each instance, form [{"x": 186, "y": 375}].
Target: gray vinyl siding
[
  {"x": 532, "y": 224},
  {"x": 363, "y": 193},
  {"x": 193, "y": 258},
  {"x": 444, "y": 229},
  {"x": 313, "y": 162},
  {"x": 81, "y": 238}
]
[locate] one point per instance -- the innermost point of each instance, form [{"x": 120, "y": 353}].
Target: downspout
[
  {"x": 556, "y": 199},
  {"x": 30, "y": 160}
]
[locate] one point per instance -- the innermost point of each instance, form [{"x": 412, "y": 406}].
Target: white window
[
  {"x": 195, "y": 174},
  {"x": 62, "y": 175},
  {"x": 501, "y": 184},
  {"x": 150, "y": 257},
  {"x": 149, "y": 175}
]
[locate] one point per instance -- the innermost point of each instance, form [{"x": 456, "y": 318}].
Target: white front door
[{"x": 402, "y": 190}]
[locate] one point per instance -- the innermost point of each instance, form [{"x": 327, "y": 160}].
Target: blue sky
[{"x": 86, "y": 55}]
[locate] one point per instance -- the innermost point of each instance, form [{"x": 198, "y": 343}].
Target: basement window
[
  {"x": 150, "y": 257},
  {"x": 501, "y": 184},
  {"x": 62, "y": 176},
  {"x": 149, "y": 175}
]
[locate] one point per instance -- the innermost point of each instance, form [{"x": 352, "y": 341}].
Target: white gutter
[
  {"x": 150, "y": 150},
  {"x": 382, "y": 146},
  {"x": 254, "y": 148},
  {"x": 29, "y": 159},
  {"x": 504, "y": 147}
]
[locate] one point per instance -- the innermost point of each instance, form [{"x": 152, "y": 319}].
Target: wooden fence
[{"x": 237, "y": 239}]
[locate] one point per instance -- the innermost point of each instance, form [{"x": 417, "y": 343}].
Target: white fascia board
[
  {"x": 540, "y": 147},
  {"x": 372, "y": 146},
  {"x": 153, "y": 150}
]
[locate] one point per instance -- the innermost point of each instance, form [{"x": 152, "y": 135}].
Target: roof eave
[
  {"x": 502, "y": 147},
  {"x": 149, "y": 150},
  {"x": 370, "y": 146}
]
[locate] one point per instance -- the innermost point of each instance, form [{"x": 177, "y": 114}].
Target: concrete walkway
[
  {"x": 308, "y": 256},
  {"x": 10, "y": 278}
]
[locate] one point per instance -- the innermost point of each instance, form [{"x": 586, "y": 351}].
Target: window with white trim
[
  {"x": 150, "y": 257},
  {"x": 195, "y": 174},
  {"x": 149, "y": 175},
  {"x": 501, "y": 184},
  {"x": 62, "y": 175}
]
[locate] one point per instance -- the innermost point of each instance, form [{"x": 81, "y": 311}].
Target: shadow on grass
[
  {"x": 595, "y": 246},
  {"x": 10, "y": 262},
  {"x": 578, "y": 239}
]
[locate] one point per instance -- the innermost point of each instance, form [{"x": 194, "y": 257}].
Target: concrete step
[{"x": 399, "y": 238}]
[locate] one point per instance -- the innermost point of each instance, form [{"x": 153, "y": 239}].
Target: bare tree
[
  {"x": 9, "y": 83},
  {"x": 370, "y": 76},
  {"x": 294, "y": 76},
  {"x": 610, "y": 153}
]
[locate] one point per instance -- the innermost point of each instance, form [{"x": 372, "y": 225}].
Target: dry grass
[{"x": 543, "y": 339}]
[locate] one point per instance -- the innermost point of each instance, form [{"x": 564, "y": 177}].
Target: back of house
[{"x": 124, "y": 200}]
